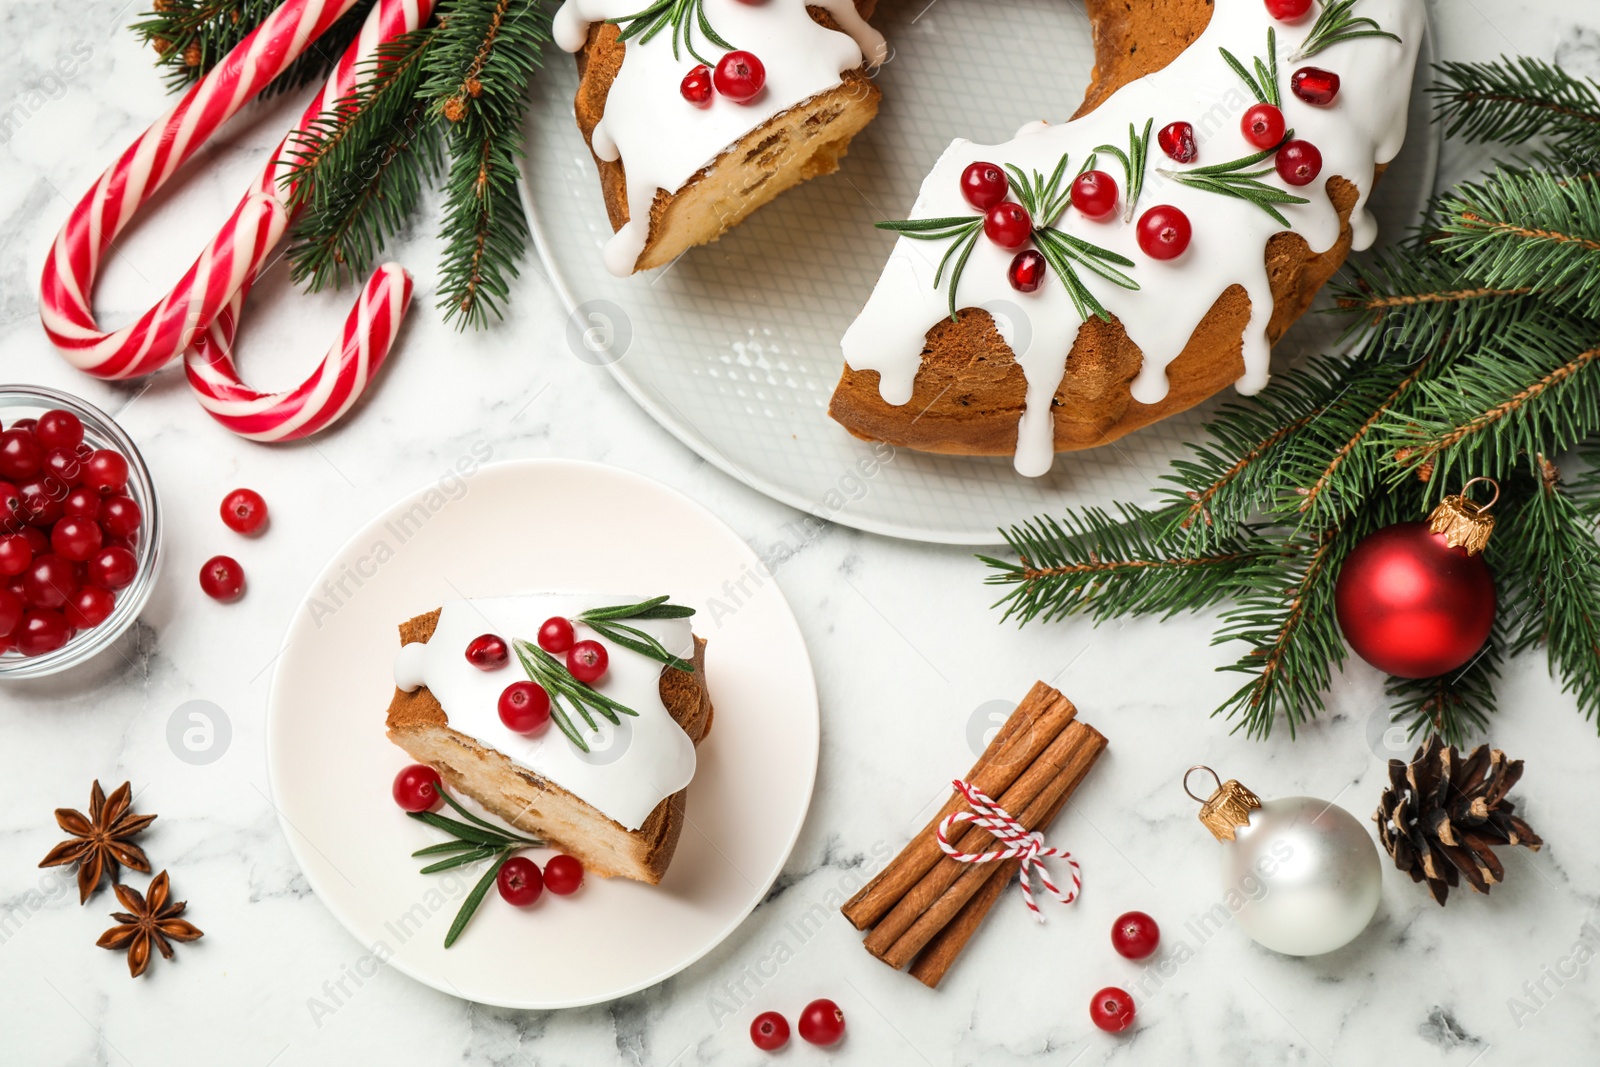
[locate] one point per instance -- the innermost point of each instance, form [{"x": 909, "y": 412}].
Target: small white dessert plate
[
  {"x": 564, "y": 525},
  {"x": 734, "y": 348}
]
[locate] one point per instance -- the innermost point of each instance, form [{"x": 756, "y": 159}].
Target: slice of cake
[
  {"x": 684, "y": 154},
  {"x": 610, "y": 793}
]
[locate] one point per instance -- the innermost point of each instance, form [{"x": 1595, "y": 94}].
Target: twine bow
[{"x": 1024, "y": 846}]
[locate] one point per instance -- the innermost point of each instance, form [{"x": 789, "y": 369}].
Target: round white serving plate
[
  {"x": 734, "y": 348},
  {"x": 565, "y": 525}
]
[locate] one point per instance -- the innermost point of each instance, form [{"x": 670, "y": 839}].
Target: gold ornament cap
[
  {"x": 1465, "y": 523},
  {"x": 1228, "y": 807}
]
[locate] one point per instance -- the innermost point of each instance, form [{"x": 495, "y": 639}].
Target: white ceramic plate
[
  {"x": 735, "y": 347},
  {"x": 331, "y": 766}
]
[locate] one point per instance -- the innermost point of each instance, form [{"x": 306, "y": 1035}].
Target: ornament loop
[
  {"x": 1200, "y": 767},
  {"x": 1493, "y": 500},
  {"x": 1464, "y": 523}
]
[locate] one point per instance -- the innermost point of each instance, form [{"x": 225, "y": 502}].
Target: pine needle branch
[{"x": 1517, "y": 100}]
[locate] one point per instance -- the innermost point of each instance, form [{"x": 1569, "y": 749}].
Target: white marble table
[{"x": 905, "y": 646}]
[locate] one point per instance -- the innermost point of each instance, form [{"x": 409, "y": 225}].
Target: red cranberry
[
  {"x": 42, "y": 631},
  {"x": 221, "y": 578},
  {"x": 1094, "y": 194},
  {"x": 417, "y": 788},
  {"x": 1112, "y": 1010},
  {"x": 696, "y": 86},
  {"x": 740, "y": 76},
  {"x": 1177, "y": 141},
  {"x": 49, "y": 582},
  {"x": 15, "y": 555},
  {"x": 769, "y": 1031},
  {"x": 11, "y": 609},
  {"x": 556, "y": 635},
  {"x": 984, "y": 185},
  {"x": 13, "y": 516},
  {"x": 75, "y": 539},
  {"x": 120, "y": 516},
  {"x": 82, "y": 504},
  {"x": 89, "y": 607},
  {"x": 1135, "y": 935},
  {"x": 64, "y": 464},
  {"x": 1263, "y": 126},
  {"x": 1027, "y": 271},
  {"x": 1164, "y": 232},
  {"x": 106, "y": 472},
  {"x": 1287, "y": 10},
  {"x": 524, "y": 707},
  {"x": 21, "y": 455},
  {"x": 1315, "y": 85},
  {"x": 563, "y": 875},
  {"x": 43, "y": 499},
  {"x": 488, "y": 652},
  {"x": 37, "y": 540},
  {"x": 1299, "y": 162},
  {"x": 588, "y": 660},
  {"x": 59, "y": 429},
  {"x": 243, "y": 511},
  {"x": 821, "y": 1022},
  {"x": 113, "y": 567},
  {"x": 519, "y": 881},
  {"x": 1007, "y": 224}
]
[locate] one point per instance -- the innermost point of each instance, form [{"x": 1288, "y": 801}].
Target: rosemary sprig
[
  {"x": 474, "y": 840},
  {"x": 607, "y": 623},
  {"x": 1335, "y": 25},
  {"x": 1134, "y": 163},
  {"x": 1045, "y": 200},
  {"x": 963, "y": 228},
  {"x": 1263, "y": 84},
  {"x": 558, "y": 682},
  {"x": 1236, "y": 179},
  {"x": 684, "y": 16}
]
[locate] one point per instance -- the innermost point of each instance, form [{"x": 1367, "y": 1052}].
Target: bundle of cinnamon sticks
[{"x": 924, "y": 907}]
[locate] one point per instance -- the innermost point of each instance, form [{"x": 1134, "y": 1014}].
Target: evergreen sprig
[
  {"x": 1471, "y": 349},
  {"x": 191, "y": 36}
]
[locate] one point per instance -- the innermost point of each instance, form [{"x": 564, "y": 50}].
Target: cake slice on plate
[{"x": 611, "y": 793}]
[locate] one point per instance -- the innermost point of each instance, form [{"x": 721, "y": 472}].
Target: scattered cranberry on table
[
  {"x": 519, "y": 881},
  {"x": 1314, "y": 85},
  {"x": 1027, "y": 271},
  {"x": 1111, "y": 1010},
  {"x": 1288, "y": 10},
  {"x": 556, "y": 636},
  {"x": 221, "y": 578},
  {"x": 563, "y": 875},
  {"x": 488, "y": 652},
  {"x": 524, "y": 707},
  {"x": 587, "y": 661},
  {"x": 244, "y": 511},
  {"x": 821, "y": 1022},
  {"x": 1007, "y": 224},
  {"x": 984, "y": 185},
  {"x": 1094, "y": 194},
  {"x": 696, "y": 86},
  {"x": 740, "y": 76},
  {"x": 1263, "y": 126},
  {"x": 417, "y": 788},
  {"x": 1299, "y": 162},
  {"x": 1164, "y": 232},
  {"x": 1135, "y": 935},
  {"x": 769, "y": 1031}
]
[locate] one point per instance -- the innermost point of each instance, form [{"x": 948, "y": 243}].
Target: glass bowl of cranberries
[{"x": 80, "y": 531}]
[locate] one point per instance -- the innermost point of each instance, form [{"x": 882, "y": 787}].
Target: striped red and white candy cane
[{"x": 1027, "y": 848}]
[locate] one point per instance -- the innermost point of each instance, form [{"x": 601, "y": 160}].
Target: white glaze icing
[
  {"x": 630, "y": 769},
  {"x": 1365, "y": 126},
  {"x": 662, "y": 139}
]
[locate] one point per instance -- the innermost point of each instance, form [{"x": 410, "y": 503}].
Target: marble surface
[{"x": 908, "y": 656}]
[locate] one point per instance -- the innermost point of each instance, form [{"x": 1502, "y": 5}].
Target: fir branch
[
  {"x": 1135, "y": 162},
  {"x": 1263, "y": 83},
  {"x": 683, "y": 16},
  {"x": 1237, "y": 180},
  {"x": 1517, "y": 100},
  {"x": 1335, "y": 25}
]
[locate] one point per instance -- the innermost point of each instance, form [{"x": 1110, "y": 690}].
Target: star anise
[
  {"x": 146, "y": 921},
  {"x": 100, "y": 841}
]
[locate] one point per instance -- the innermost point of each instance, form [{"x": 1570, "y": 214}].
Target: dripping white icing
[
  {"x": 1364, "y": 126},
  {"x": 662, "y": 139},
  {"x": 630, "y": 769}
]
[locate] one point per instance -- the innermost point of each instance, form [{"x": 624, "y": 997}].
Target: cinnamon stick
[
  {"x": 941, "y": 952},
  {"x": 934, "y": 901},
  {"x": 1037, "y": 723}
]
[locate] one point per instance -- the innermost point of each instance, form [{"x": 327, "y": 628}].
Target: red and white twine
[{"x": 1018, "y": 843}]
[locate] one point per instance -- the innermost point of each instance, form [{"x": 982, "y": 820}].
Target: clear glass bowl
[{"x": 30, "y": 401}]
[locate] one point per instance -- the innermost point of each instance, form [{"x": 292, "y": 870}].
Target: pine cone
[{"x": 1442, "y": 815}]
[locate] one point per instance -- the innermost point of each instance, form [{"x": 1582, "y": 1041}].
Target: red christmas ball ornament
[{"x": 1416, "y": 599}]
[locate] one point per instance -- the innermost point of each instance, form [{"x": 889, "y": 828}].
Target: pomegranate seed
[
  {"x": 1094, "y": 194},
  {"x": 555, "y": 635},
  {"x": 1299, "y": 162},
  {"x": 984, "y": 185},
  {"x": 740, "y": 76},
  {"x": 113, "y": 567},
  {"x": 519, "y": 881},
  {"x": 488, "y": 652},
  {"x": 821, "y": 1022},
  {"x": 1263, "y": 126},
  {"x": 1315, "y": 85},
  {"x": 769, "y": 1031},
  {"x": 41, "y": 631},
  {"x": 243, "y": 511},
  {"x": 221, "y": 578},
  {"x": 1007, "y": 224},
  {"x": 106, "y": 472},
  {"x": 524, "y": 707},
  {"x": 696, "y": 86},
  {"x": 120, "y": 516},
  {"x": 1287, "y": 10},
  {"x": 563, "y": 875},
  {"x": 21, "y": 455},
  {"x": 1177, "y": 141},
  {"x": 1164, "y": 232},
  {"x": 89, "y": 607},
  {"x": 587, "y": 661},
  {"x": 1027, "y": 271},
  {"x": 1112, "y": 1010},
  {"x": 417, "y": 788},
  {"x": 75, "y": 539},
  {"x": 59, "y": 429}
]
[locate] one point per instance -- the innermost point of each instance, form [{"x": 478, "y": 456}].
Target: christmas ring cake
[
  {"x": 573, "y": 717},
  {"x": 698, "y": 112},
  {"x": 1086, "y": 279}
]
